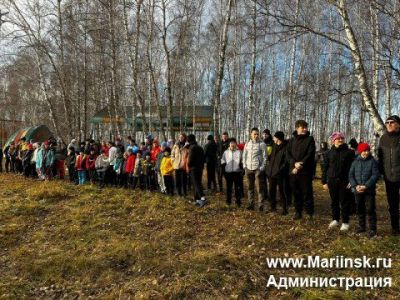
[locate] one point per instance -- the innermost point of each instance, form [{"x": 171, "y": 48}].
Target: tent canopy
[{"x": 36, "y": 134}]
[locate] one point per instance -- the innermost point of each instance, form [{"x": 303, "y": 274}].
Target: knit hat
[
  {"x": 210, "y": 137},
  {"x": 336, "y": 135},
  {"x": 363, "y": 147},
  {"x": 164, "y": 144},
  {"x": 395, "y": 118},
  {"x": 280, "y": 135}
]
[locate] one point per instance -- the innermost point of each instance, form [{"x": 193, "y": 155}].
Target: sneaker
[
  {"x": 344, "y": 227},
  {"x": 333, "y": 224},
  {"x": 197, "y": 202},
  {"x": 203, "y": 202},
  {"x": 372, "y": 233}
]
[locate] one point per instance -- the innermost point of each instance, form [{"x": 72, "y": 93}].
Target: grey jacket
[{"x": 255, "y": 155}]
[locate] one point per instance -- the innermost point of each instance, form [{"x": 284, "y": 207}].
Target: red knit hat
[{"x": 363, "y": 147}]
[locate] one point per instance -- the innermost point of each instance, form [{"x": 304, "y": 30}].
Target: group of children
[{"x": 349, "y": 173}]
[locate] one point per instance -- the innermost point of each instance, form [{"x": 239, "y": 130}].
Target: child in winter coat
[
  {"x": 70, "y": 162},
  {"x": 160, "y": 178},
  {"x": 91, "y": 165},
  {"x": 363, "y": 176},
  {"x": 119, "y": 168},
  {"x": 137, "y": 171},
  {"x": 148, "y": 172},
  {"x": 167, "y": 171},
  {"x": 102, "y": 164},
  {"x": 129, "y": 166},
  {"x": 80, "y": 166}
]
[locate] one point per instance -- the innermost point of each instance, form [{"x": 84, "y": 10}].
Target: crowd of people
[{"x": 271, "y": 164}]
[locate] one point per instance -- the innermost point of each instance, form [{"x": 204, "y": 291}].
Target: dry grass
[{"x": 58, "y": 240}]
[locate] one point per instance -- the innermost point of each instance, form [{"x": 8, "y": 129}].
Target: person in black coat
[
  {"x": 277, "y": 170},
  {"x": 335, "y": 178},
  {"x": 389, "y": 166},
  {"x": 196, "y": 166},
  {"x": 210, "y": 155},
  {"x": 300, "y": 155}
]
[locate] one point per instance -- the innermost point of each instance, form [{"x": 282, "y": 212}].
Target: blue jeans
[{"x": 82, "y": 177}]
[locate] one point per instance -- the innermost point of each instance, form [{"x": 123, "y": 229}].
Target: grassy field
[{"x": 59, "y": 240}]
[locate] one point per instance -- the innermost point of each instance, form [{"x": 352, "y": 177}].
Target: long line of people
[{"x": 270, "y": 164}]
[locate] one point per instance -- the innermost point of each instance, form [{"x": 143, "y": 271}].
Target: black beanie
[
  {"x": 210, "y": 137},
  {"x": 280, "y": 135},
  {"x": 394, "y": 118}
]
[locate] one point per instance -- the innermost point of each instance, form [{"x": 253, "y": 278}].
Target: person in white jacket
[
  {"x": 254, "y": 162},
  {"x": 231, "y": 162},
  {"x": 112, "y": 158}
]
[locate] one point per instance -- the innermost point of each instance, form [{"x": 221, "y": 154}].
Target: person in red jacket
[
  {"x": 155, "y": 150},
  {"x": 80, "y": 166},
  {"x": 91, "y": 165},
  {"x": 129, "y": 167}
]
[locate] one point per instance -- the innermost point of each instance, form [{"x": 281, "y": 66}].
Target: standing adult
[
  {"x": 300, "y": 155},
  {"x": 335, "y": 178},
  {"x": 254, "y": 162},
  {"x": 277, "y": 171},
  {"x": 210, "y": 155},
  {"x": 178, "y": 163},
  {"x": 196, "y": 166},
  {"x": 389, "y": 165}
]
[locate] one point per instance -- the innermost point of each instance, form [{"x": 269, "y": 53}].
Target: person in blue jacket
[{"x": 363, "y": 176}]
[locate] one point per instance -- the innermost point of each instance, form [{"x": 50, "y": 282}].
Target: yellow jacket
[{"x": 166, "y": 167}]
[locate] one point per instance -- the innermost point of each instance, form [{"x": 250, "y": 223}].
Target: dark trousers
[
  {"x": 220, "y": 173},
  {"x": 72, "y": 174},
  {"x": 196, "y": 176},
  {"x": 340, "y": 202},
  {"x": 111, "y": 176},
  {"x": 122, "y": 179},
  {"x": 1, "y": 163},
  {"x": 302, "y": 190},
  {"x": 233, "y": 179},
  {"x": 7, "y": 165},
  {"x": 211, "y": 180},
  {"x": 274, "y": 183},
  {"x": 137, "y": 180},
  {"x": 169, "y": 184},
  {"x": 366, "y": 206},
  {"x": 181, "y": 182},
  {"x": 392, "y": 193},
  {"x": 101, "y": 176}
]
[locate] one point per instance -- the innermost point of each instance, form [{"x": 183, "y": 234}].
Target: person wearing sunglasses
[{"x": 389, "y": 164}]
